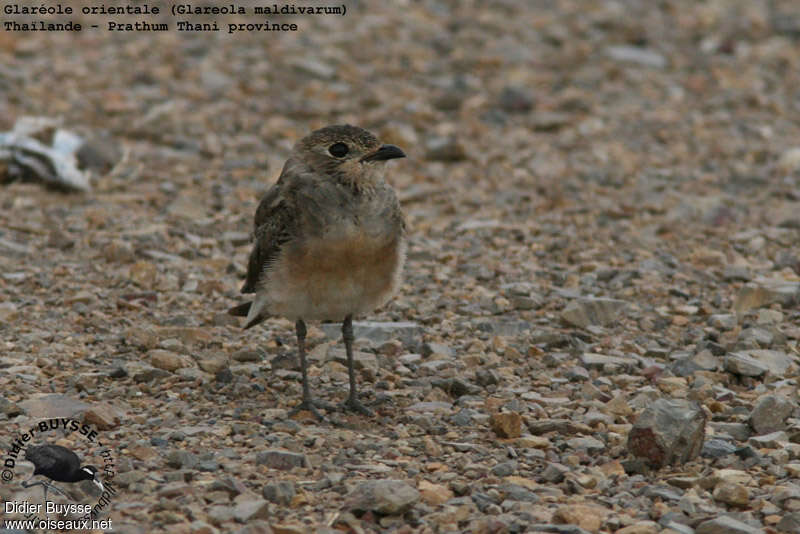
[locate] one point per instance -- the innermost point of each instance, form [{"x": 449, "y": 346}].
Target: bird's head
[
  {"x": 89, "y": 472},
  {"x": 347, "y": 153}
]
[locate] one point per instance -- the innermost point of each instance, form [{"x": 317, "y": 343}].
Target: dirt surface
[{"x": 647, "y": 153}]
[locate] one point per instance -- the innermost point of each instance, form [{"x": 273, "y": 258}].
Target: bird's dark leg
[
  {"x": 352, "y": 403},
  {"x": 45, "y": 486},
  {"x": 307, "y": 403}
]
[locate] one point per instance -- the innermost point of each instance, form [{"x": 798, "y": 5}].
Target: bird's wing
[
  {"x": 272, "y": 228},
  {"x": 44, "y": 458}
]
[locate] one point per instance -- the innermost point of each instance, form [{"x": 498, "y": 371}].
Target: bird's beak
[{"x": 383, "y": 153}]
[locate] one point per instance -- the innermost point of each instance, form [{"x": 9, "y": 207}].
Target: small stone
[
  {"x": 246, "y": 355},
  {"x": 504, "y": 469},
  {"x": 213, "y": 364},
  {"x": 637, "y": 55},
  {"x": 144, "y": 274},
  {"x": 45, "y": 406},
  {"x": 789, "y": 161},
  {"x": 585, "y": 516},
  {"x": 554, "y": 472},
  {"x": 10, "y": 409},
  {"x": 731, "y": 493},
  {"x": 361, "y": 360},
  {"x": 668, "y": 432},
  {"x": 447, "y": 149},
  {"x": 118, "y": 251},
  {"x": 726, "y": 525},
  {"x": 247, "y": 511},
  {"x": 598, "y": 361},
  {"x": 506, "y": 424},
  {"x": 179, "y": 459},
  {"x": 281, "y": 459},
  {"x": 770, "y": 412},
  {"x": 584, "y": 312},
  {"x": 281, "y": 492},
  {"x": 589, "y": 444},
  {"x": 766, "y": 292},
  {"x": 743, "y": 364},
  {"x": 434, "y": 494},
  {"x": 409, "y": 333},
  {"x": 515, "y": 100},
  {"x": 102, "y": 416},
  {"x": 773, "y": 440},
  {"x": 725, "y": 321},
  {"x": 385, "y": 497},
  {"x": 166, "y": 360},
  {"x": 790, "y": 523},
  {"x": 642, "y": 527}
]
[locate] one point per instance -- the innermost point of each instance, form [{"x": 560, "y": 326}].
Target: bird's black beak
[{"x": 385, "y": 152}]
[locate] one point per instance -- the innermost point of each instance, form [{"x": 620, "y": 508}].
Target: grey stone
[
  {"x": 52, "y": 405},
  {"x": 760, "y": 336},
  {"x": 741, "y": 363},
  {"x": 738, "y": 431},
  {"x": 589, "y": 444},
  {"x": 592, "y": 360},
  {"x": 504, "y": 469},
  {"x": 636, "y": 55},
  {"x": 455, "y": 387},
  {"x": 361, "y": 360},
  {"x": 767, "y": 291},
  {"x": 717, "y": 448},
  {"x": 385, "y": 497},
  {"x": 246, "y": 511},
  {"x": 281, "y": 459},
  {"x": 407, "y": 332},
  {"x": 281, "y": 492},
  {"x": 179, "y": 459},
  {"x": 669, "y": 431},
  {"x": 726, "y": 525},
  {"x": 725, "y": 321},
  {"x": 583, "y": 312},
  {"x": 773, "y": 440},
  {"x": 10, "y": 409},
  {"x": 515, "y": 100},
  {"x": 770, "y": 412},
  {"x": 790, "y": 523},
  {"x": 554, "y": 472}
]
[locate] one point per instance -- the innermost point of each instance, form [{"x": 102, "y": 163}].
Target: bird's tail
[{"x": 244, "y": 310}]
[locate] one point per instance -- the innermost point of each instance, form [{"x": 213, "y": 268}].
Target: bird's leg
[
  {"x": 352, "y": 403},
  {"x": 307, "y": 403}
]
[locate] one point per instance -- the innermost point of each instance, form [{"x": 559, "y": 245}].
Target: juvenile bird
[{"x": 329, "y": 241}]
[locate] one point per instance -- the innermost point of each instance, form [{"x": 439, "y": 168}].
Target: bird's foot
[
  {"x": 311, "y": 405},
  {"x": 354, "y": 405}
]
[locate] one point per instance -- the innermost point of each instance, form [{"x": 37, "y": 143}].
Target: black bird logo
[{"x": 59, "y": 464}]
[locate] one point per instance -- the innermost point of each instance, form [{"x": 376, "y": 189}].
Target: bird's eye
[{"x": 338, "y": 150}]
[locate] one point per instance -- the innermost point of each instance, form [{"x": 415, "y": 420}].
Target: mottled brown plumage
[{"x": 329, "y": 238}]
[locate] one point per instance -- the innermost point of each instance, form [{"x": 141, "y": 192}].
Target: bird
[
  {"x": 329, "y": 242},
  {"x": 58, "y": 464}
]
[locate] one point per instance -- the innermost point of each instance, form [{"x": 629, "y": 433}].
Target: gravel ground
[{"x": 604, "y": 210}]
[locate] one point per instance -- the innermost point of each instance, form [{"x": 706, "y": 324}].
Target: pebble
[
  {"x": 585, "y": 312},
  {"x": 385, "y": 497},
  {"x": 770, "y": 412},
  {"x": 281, "y": 459},
  {"x": 668, "y": 432}
]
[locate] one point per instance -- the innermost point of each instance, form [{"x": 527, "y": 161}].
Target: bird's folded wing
[
  {"x": 45, "y": 459},
  {"x": 272, "y": 228}
]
